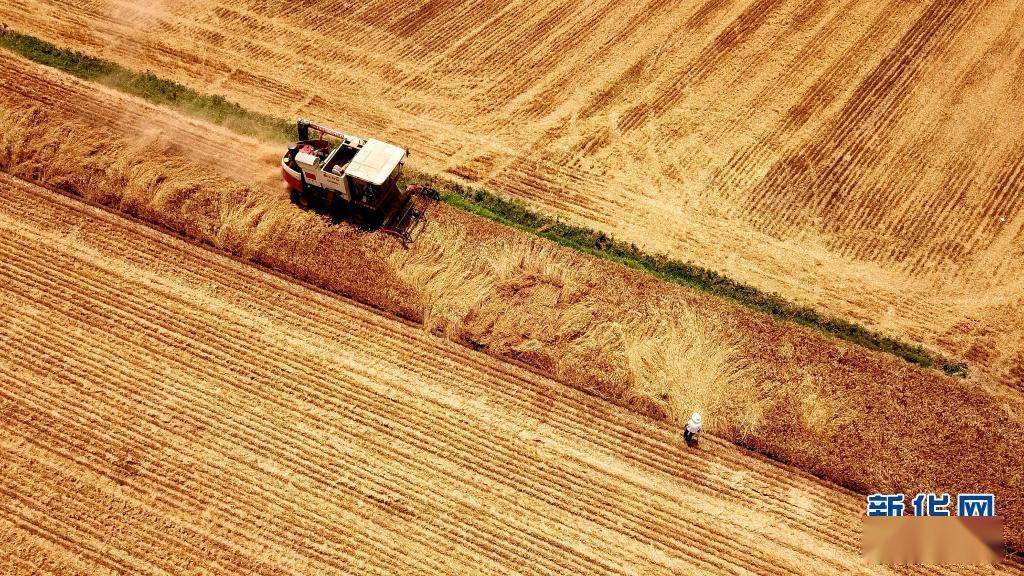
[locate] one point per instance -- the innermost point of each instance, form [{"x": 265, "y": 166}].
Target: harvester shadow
[{"x": 338, "y": 214}]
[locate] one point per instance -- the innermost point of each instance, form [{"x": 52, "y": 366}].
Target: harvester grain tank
[{"x": 341, "y": 173}]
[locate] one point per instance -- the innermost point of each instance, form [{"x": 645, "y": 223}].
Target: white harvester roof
[{"x": 375, "y": 161}]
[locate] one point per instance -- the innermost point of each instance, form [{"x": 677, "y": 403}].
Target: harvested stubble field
[
  {"x": 865, "y": 420},
  {"x": 168, "y": 410},
  {"x": 864, "y": 157}
]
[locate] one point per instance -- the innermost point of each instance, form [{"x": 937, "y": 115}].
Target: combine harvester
[{"x": 356, "y": 177}]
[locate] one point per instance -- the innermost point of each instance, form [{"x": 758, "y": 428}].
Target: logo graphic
[
  {"x": 931, "y": 504},
  {"x": 976, "y": 505},
  {"x": 885, "y": 504}
]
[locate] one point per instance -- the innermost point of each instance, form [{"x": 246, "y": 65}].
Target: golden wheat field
[
  {"x": 168, "y": 410},
  {"x": 865, "y": 157},
  {"x": 656, "y": 348},
  {"x": 197, "y": 376}
]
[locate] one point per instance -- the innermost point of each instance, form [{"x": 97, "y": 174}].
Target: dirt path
[
  {"x": 862, "y": 157},
  {"x": 168, "y": 410}
]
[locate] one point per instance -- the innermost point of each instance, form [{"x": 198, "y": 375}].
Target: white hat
[{"x": 695, "y": 418}]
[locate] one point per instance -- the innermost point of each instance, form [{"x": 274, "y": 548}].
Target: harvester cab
[{"x": 344, "y": 174}]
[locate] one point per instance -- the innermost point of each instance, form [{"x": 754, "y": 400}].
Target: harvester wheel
[{"x": 302, "y": 197}]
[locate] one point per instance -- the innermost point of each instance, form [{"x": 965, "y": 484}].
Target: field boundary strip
[{"x": 476, "y": 200}]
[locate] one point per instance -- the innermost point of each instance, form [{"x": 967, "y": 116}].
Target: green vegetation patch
[{"x": 218, "y": 110}]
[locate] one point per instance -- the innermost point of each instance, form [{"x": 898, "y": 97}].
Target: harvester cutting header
[{"x": 345, "y": 174}]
